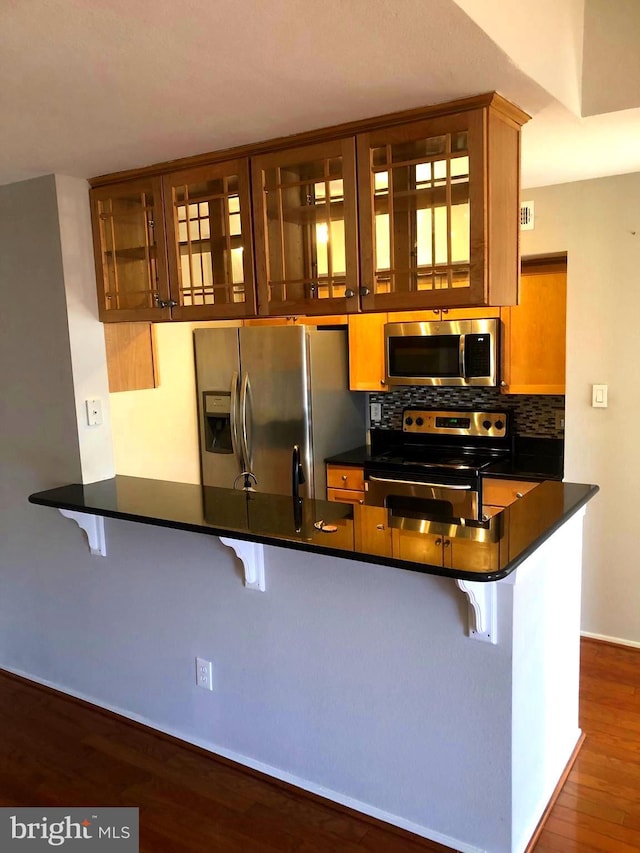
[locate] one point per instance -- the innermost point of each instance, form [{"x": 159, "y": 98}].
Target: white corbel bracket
[
  {"x": 93, "y": 526},
  {"x": 251, "y": 555},
  {"x": 482, "y": 597}
]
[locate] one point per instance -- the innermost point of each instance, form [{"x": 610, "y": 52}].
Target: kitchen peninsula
[{"x": 476, "y": 735}]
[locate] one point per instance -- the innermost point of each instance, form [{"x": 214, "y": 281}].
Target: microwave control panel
[{"x": 472, "y": 424}]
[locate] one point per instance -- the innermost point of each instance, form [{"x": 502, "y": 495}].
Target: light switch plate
[{"x": 599, "y": 396}]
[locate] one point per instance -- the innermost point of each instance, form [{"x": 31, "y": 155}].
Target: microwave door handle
[
  {"x": 459, "y": 488},
  {"x": 461, "y": 359}
]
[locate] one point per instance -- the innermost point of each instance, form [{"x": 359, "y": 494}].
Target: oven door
[{"x": 431, "y": 496}]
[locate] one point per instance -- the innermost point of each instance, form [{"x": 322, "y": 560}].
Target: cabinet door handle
[
  {"x": 364, "y": 291},
  {"x": 446, "y": 543},
  {"x": 519, "y": 495},
  {"x": 344, "y": 478},
  {"x": 349, "y": 293},
  {"x": 438, "y": 541},
  {"x": 165, "y": 303}
]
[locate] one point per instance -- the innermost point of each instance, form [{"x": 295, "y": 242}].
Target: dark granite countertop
[{"x": 481, "y": 551}]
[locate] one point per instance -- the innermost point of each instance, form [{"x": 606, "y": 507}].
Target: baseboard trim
[
  {"x": 556, "y": 793},
  {"x": 611, "y": 641},
  {"x": 274, "y": 775}
]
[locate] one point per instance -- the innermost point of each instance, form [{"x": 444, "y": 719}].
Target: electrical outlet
[
  {"x": 375, "y": 412},
  {"x": 204, "y": 673},
  {"x": 559, "y": 420}
]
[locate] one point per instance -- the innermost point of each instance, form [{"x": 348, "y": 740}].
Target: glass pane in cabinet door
[
  {"x": 210, "y": 242},
  {"x": 127, "y": 236},
  {"x": 421, "y": 212},
  {"x": 306, "y": 248}
]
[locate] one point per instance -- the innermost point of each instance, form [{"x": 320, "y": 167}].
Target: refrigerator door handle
[
  {"x": 245, "y": 393},
  {"x": 233, "y": 420}
]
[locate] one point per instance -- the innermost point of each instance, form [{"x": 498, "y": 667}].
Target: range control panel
[{"x": 475, "y": 424}]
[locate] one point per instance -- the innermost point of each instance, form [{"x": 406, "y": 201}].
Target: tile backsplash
[{"x": 532, "y": 415}]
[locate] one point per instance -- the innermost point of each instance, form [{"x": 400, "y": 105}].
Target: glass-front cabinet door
[
  {"x": 425, "y": 212},
  {"x": 209, "y": 248},
  {"x": 306, "y": 229},
  {"x": 129, "y": 249}
]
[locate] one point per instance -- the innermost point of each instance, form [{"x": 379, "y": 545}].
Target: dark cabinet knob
[
  {"x": 364, "y": 291},
  {"x": 349, "y": 293}
]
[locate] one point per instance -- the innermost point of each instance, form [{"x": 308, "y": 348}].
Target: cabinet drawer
[
  {"x": 345, "y": 477},
  {"x": 345, "y": 496},
  {"x": 504, "y": 492}
]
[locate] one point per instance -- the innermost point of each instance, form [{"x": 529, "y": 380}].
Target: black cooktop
[{"x": 441, "y": 460}]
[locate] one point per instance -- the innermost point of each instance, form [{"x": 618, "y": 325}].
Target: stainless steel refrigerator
[{"x": 263, "y": 390}]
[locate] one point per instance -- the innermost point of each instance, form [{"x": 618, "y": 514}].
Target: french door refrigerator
[{"x": 263, "y": 390}]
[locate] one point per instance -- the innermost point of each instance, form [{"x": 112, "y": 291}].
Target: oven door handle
[{"x": 465, "y": 488}]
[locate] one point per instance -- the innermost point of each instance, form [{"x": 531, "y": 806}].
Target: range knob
[
  {"x": 486, "y": 424},
  {"x": 408, "y": 421},
  {"x": 419, "y": 421},
  {"x": 499, "y": 425}
]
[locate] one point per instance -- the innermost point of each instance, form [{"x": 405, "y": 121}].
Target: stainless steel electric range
[{"x": 435, "y": 465}]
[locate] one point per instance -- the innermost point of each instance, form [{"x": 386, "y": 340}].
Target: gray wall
[{"x": 598, "y": 224}]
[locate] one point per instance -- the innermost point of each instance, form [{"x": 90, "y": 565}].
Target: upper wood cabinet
[
  {"x": 534, "y": 332},
  {"x": 439, "y": 203},
  {"x": 408, "y": 211},
  {"x": 306, "y": 229},
  {"x": 130, "y": 252},
  {"x": 177, "y": 247},
  {"x": 209, "y": 245}
]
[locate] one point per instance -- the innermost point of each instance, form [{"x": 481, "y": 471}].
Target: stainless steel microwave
[{"x": 447, "y": 352}]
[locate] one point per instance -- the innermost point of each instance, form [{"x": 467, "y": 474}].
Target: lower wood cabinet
[
  {"x": 345, "y": 483},
  {"x": 374, "y": 535},
  {"x": 498, "y": 492}
]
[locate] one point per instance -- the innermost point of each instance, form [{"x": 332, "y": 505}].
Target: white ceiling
[{"x": 90, "y": 87}]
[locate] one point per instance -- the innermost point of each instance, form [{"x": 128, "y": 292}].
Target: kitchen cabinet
[
  {"x": 318, "y": 320},
  {"x": 209, "y": 246},
  {"x": 534, "y": 332},
  {"x": 131, "y": 356},
  {"x": 412, "y": 210},
  {"x": 345, "y": 483},
  {"x": 447, "y": 551},
  {"x": 366, "y": 352},
  {"x": 175, "y": 247},
  {"x": 372, "y": 534},
  {"x": 306, "y": 229},
  {"x": 498, "y": 492},
  {"x": 130, "y": 251},
  {"x": 434, "y": 195}
]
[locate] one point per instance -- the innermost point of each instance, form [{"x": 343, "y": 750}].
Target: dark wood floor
[{"x": 55, "y": 751}]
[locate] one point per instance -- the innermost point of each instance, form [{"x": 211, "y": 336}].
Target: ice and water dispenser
[{"x": 216, "y": 406}]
